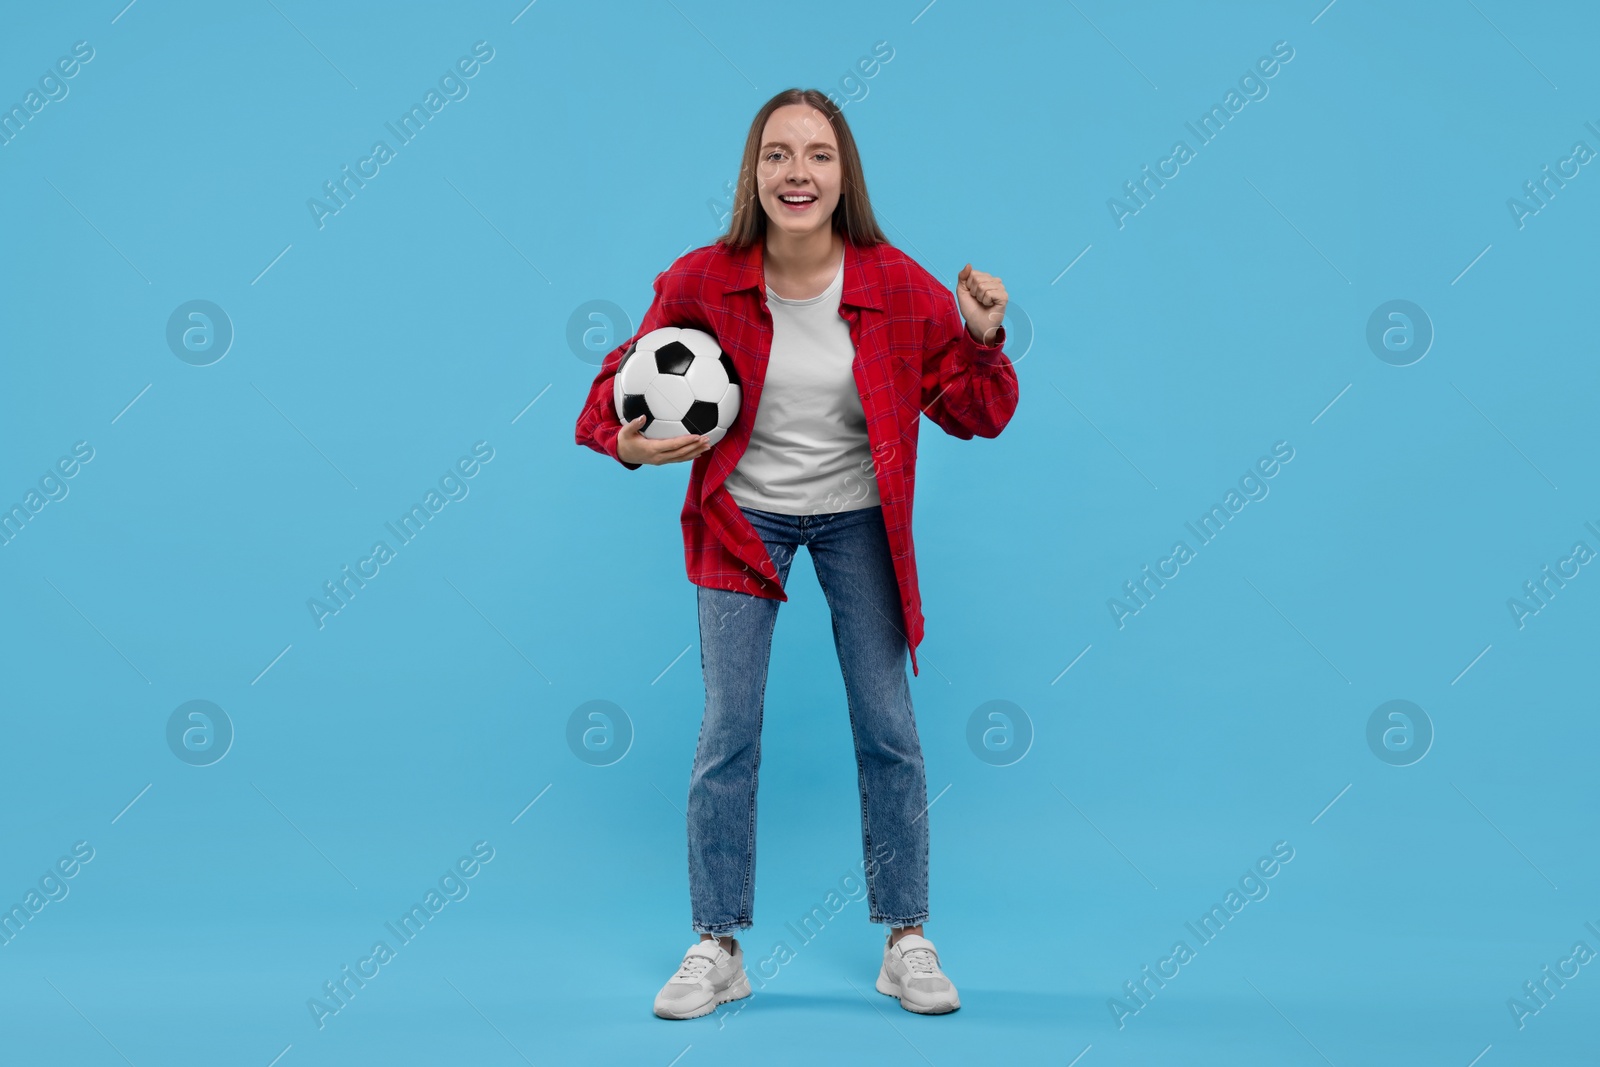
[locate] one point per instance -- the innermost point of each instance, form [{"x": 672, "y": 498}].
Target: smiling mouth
[{"x": 800, "y": 203}]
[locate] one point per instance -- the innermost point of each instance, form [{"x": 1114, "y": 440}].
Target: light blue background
[{"x": 594, "y": 148}]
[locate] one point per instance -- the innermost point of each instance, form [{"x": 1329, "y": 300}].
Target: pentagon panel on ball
[{"x": 681, "y": 381}]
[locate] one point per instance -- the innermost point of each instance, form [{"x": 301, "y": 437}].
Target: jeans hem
[
  {"x": 915, "y": 920},
  {"x": 718, "y": 929}
]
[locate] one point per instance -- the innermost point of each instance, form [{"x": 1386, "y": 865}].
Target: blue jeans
[{"x": 850, "y": 552}]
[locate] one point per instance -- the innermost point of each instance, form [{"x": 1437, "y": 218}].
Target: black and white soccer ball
[{"x": 681, "y": 381}]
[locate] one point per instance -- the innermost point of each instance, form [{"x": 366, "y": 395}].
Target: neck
[{"x": 798, "y": 255}]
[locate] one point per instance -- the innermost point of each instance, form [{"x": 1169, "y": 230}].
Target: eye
[
  {"x": 823, "y": 155},
  {"x": 771, "y": 154}
]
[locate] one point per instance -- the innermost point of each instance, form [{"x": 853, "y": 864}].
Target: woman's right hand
[{"x": 634, "y": 447}]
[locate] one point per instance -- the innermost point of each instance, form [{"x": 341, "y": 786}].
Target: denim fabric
[{"x": 850, "y": 552}]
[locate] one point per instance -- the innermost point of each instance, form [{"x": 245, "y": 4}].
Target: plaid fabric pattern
[{"x": 914, "y": 356}]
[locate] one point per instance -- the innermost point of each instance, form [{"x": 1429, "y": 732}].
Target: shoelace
[
  {"x": 921, "y": 961},
  {"x": 693, "y": 967}
]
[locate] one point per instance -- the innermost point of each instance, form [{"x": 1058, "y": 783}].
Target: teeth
[{"x": 797, "y": 200}]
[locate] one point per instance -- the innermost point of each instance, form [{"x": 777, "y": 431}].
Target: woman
[{"x": 857, "y": 342}]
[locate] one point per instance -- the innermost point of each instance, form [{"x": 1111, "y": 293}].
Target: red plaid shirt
[{"x": 913, "y": 356}]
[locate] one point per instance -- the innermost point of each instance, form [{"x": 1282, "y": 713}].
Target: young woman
[{"x": 841, "y": 343}]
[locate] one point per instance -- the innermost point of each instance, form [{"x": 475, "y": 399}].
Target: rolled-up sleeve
[{"x": 968, "y": 389}]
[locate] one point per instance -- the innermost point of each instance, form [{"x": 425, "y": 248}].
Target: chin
[
  {"x": 796, "y": 226},
  {"x": 784, "y": 221}
]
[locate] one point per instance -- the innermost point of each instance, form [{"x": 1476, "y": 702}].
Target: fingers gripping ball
[{"x": 681, "y": 381}]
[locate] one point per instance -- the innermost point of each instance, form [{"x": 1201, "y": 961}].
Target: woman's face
[{"x": 798, "y": 159}]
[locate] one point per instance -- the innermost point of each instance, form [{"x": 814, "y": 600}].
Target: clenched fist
[{"x": 982, "y": 299}]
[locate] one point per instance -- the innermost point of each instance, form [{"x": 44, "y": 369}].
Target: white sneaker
[
  {"x": 708, "y": 976},
  {"x": 911, "y": 973}
]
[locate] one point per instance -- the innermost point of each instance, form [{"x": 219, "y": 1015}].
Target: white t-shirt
[{"x": 808, "y": 452}]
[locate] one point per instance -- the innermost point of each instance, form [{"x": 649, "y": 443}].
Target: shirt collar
[{"x": 863, "y": 275}]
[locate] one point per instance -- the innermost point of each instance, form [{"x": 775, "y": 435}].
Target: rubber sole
[{"x": 738, "y": 989}]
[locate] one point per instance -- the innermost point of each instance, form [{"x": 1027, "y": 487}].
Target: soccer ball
[{"x": 681, "y": 381}]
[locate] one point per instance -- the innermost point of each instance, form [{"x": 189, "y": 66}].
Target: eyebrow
[{"x": 785, "y": 144}]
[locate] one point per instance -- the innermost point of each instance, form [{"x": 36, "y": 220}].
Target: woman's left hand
[{"x": 982, "y": 299}]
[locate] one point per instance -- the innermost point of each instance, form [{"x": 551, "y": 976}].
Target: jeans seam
[
  {"x": 747, "y": 900},
  {"x": 927, "y": 814},
  {"x": 902, "y": 920},
  {"x": 699, "y": 738}
]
